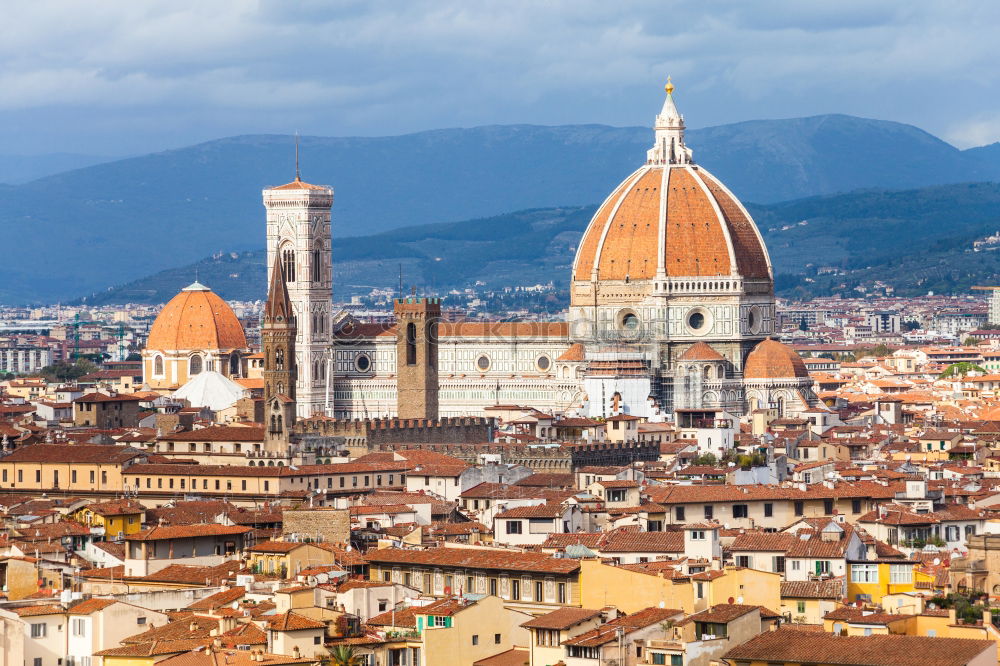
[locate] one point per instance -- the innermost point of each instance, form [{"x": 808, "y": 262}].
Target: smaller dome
[
  {"x": 773, "y": 360},
  {"x": 196, "y": 319},
  {"x": 701, "y": 351}
]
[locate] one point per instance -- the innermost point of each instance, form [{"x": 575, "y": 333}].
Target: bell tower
[
  {"x": 417, "y": 357},
  {"x": 278, "y": 343},
  {"x": 299, "y": 245}
]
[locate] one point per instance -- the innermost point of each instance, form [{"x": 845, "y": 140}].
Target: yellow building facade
[
  {"x": 605, "y": 585},
  {"x": 870, "y": 581},
  {"x": 117, "y": 518}
]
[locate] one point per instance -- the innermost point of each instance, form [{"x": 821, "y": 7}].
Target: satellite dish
[
  {"x": 739, "y": 600},
  {"x": 236, "y": 605},
  {"x": 663, "y": 604},
  {"x": 937, "y": 561}
]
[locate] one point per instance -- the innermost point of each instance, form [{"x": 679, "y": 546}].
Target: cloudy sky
[{"x": 125, "y": 77}]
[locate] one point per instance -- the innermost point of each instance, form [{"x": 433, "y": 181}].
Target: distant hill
[
  {"x": 522, "y": 248},
  {"x": 110, "y": 223},
  {"x": 17, "y": 169},
  {"x": 916, "y": 240}
]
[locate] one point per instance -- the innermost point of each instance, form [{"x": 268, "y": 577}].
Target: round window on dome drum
[
  {"x": 630, "y": 322},
  {"x": 543, "y": 363},
  {"x": 751, "y": 320},
  {"x": 483, "y": 362},
  {"x": 363, "y": 363},
  {"x": 696, "y": 320}
]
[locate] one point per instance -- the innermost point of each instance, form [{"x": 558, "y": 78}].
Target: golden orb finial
[{"x": 669, "y": 87}]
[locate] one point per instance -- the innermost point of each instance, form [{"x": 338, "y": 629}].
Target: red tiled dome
[
  {"x": 669, "y": 219},
  {"x": 701, "y": 351},
  {"x": 771, "y": 359},
  {"x": 674, "y": 217},
  {"x": 196, "y": 318}
]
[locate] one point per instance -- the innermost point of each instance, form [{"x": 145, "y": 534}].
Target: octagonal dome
[
  {"x": 670, "y": 218},
  {"x": 196, "y": 319}
]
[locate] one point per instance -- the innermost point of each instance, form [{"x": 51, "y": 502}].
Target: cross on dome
[{"x": 668, "y": 146}]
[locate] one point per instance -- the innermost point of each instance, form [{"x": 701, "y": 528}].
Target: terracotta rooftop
[
  {"x": 186, "y": 531},
  {"x": 231, "y": 657},
  {"x": 831, "y": 588},
  {"x": 291, "y": 621},
  {"x": 88, "y": 606},
  {"x": 275, "y": 547},
  {"x": 511, "y": 657},
  {"x": 76, "y": 453},
  {"x": 725, "y": 613},
  {"x": 563, "y": 618},
  {"x": 608, "y": 632},
  {"x": 249, "y": 433},
  {"x": 154, "y": 648},
  {"x": 219, "y": 599},
  {"x": 575, "y": 353},
  {"x": 791, "y": 646},
  {"x": 469, "y": 558},
  {"x": 192, "y": 626}
]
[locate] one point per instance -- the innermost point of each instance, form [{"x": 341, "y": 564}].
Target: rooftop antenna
[{"x": 298, "y": 174}]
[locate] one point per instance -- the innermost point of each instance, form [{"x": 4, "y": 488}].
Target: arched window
[
  {"x": 708, "y": 372},
  {"x": 279, "y": 359},
  {"x": 158, "y": 365},
  {"x": 234, "y": 364},
  {"x": 288, "y": 264},
  {"x": 781, "y": 407},
  {"x": 195, "y": 365},
  {"x": 411, "y": 344},
  {"x": 317, "y": 265}
]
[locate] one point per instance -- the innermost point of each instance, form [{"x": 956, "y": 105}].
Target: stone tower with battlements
[
  {"x": 417, "y": 357},
  {"x": 299, "y": 242}
]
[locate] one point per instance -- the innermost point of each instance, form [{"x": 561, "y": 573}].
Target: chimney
[{"x": 295, "y": 652}]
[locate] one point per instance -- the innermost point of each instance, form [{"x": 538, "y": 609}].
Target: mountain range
[
  {"x": 917, "y": 240},
  {"x": 76, "y": 232}
]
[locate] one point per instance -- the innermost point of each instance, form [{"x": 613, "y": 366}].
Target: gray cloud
[{"x": 118, "y": 77}]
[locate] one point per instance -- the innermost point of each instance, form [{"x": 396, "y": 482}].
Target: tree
[
  {"x": 803, "y": 326},
  {"x": 961, "y": 369},
  {"x": 63, "y": 371},
  {"x": 972, "y": 342},
  {"x": 346, "y": 655},
  {"x": 706, "y": 459}
]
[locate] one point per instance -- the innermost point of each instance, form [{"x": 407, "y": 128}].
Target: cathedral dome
[
  {"x": 670, "y": 219},
  {"x": 771, "y": 359},
  {"x": 196, "y": 319}
]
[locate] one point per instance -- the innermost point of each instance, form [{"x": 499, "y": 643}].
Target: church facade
[{"x": 672, "y": 300}]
